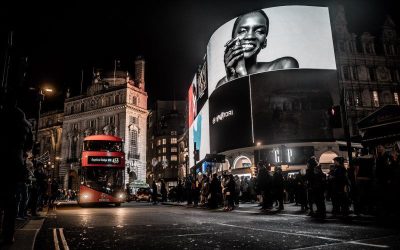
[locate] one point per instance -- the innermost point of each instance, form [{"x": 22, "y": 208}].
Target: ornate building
[
  {"x": 114, "y": 104},
  {"x": 369, "y": 67},
  {"x": 49, "y": 138}
]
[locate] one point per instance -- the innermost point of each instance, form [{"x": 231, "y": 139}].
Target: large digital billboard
[
  {"x": 269, "y": 76},
  {"x": 270, "y": 39},
  {"x": 272, "y": 78}
]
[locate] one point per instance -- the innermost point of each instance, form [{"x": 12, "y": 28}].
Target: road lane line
[
  {"x": 308, "y": 235},
  {"x": 55, "y": 238},
  {"x": 282, "y": 232},
  {"x": 63, "y": 240}
]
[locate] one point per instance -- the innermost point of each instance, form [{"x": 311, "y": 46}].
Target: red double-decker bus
[{"x": 102, "y": 173}]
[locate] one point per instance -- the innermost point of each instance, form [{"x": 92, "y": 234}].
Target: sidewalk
[{"x": 26, "y": 232}]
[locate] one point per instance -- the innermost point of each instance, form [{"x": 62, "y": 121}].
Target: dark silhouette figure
[
  {"x": 154, "y": 193},
  {"x": 16, "y": 135}
]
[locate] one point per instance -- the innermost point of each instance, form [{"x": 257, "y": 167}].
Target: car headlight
[
  {"x": 85, "y": 196},
  {"x": 121, "y": 195}
]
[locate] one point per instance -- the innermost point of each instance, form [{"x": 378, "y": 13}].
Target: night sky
[{"x": 64, "y": 37}]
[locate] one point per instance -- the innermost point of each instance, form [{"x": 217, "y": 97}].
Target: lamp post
[{"x": 40, "y": 97}]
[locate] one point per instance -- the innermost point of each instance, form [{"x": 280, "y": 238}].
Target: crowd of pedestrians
[
  {"x": 25, "y": 188},
  {"x": 343, "y": 186}
]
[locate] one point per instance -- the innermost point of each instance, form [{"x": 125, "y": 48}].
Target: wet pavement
[{"x": 146, "y": 226}]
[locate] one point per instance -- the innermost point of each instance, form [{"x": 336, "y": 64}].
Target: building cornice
[{"x": 103, "y": 110}]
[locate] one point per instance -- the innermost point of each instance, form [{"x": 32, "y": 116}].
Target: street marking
[
  {"x": 63, "y": 240},
  {"x": 339, "y": 241},
  {"x": 56, "y": 244}
]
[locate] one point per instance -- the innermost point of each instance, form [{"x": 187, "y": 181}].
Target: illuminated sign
[{"x": 103, "y": 160}]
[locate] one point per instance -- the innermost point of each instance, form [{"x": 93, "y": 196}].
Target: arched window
[{"x": 242, "y": 162}]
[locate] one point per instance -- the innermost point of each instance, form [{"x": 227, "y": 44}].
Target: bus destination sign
[{"x": 103, "y": 160}]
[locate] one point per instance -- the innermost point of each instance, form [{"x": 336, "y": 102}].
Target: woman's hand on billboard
[{"x": 233, "y": 59}]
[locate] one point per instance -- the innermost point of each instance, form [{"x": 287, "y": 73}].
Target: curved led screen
[{"x": 271, "y": 78}]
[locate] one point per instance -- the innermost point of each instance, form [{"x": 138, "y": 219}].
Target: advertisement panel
[
  {"x": 270, "y": 39},
  {"x": 272, "y": 78},
  {"x": 202, "y": 85},
  {"x": 230, "y": 116},
  {"x": 192, "y": 102},
  {"x": 199, "y": 133}
]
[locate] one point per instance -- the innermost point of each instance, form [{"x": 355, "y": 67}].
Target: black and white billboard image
[
  {"x": 272, "y": 78},
  {"x": 270, "y": 39}
]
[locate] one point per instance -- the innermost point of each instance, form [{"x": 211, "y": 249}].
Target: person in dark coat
[
  {"x": 179, "y": 192},
  {"x": 319, "y": 187},
  {"x": 163, "y": 191},
  {"x": 230, "y": 192},
  {"x": 340, "y": 185},
  {"x": 154, "y": 192},
  {"x": 16, "y": 135},
  {"x": 311, "y": 164},
  {"x": 215, "y": 191},
  {"x": 278, "y": 186}
]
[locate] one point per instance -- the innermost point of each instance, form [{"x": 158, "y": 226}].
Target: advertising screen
[
  {"x": 202, "y": 86},
  {"x": 270, "y": 39},
  {"x": 192, "y": 102},
  {"x": 199, "y": 133},
  {"x": 272, "y": 78}
]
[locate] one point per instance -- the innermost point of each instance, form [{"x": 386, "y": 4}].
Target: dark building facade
[
  {"x": 166, "y": 124},
  {"x": 369, "y": 66}
]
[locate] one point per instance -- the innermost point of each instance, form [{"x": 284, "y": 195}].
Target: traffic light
[{"x": 335, "y": 117}]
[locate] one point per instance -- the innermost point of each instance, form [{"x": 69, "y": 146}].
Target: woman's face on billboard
[{"x": 252, "y": 31}]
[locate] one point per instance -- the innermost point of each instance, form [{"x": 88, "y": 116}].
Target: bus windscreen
[{"x": 103, "y": 179}]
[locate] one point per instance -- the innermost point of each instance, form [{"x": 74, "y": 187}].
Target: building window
[
  {"x": 72, "y": 109},
  {"x": 346, "y": 73},
  {"x": 110, "y": 120},
  {"x": 92, "y": 123},
  {"x": 164, "y": 141},
  {"x": 174, "y": 140},
  {"x": 396, "y": 98},
  {"x": 164, "y": 150},
  {"x": 159, "y": 158},
  {"x": 372, "y": 74},
  {"x": 134, "y": 100},
  {"x": 116, "y": 99},
  {"x": 133, "y": 144},
  {"x": 174, "y": 149},
  {"x": 174, "y": 157},
  {"x": 158, "y": 142},
  {"x": 375, "y": 98},
  {"x": 132, "y": 120},
  {"x": 173, "y": 133},
  {"x": 82, "y": 107},
  {"x": 355, "y": 72},
  {"x": 164, "y": 158},
  {"x": 395, "y": 75}
]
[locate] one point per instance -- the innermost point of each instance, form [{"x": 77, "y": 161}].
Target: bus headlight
[{"x": 85, "y": 196}]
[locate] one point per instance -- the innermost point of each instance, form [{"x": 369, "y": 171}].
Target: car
[{"x": 143, "y": 194}]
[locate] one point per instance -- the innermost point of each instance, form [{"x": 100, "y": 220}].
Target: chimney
[{"x": 139, "y": 72}]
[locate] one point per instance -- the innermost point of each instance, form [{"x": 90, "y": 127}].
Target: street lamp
[{"x": 40, "y": 97}]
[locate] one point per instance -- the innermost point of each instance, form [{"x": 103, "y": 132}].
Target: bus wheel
[{"x": 117, "y": 204}]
